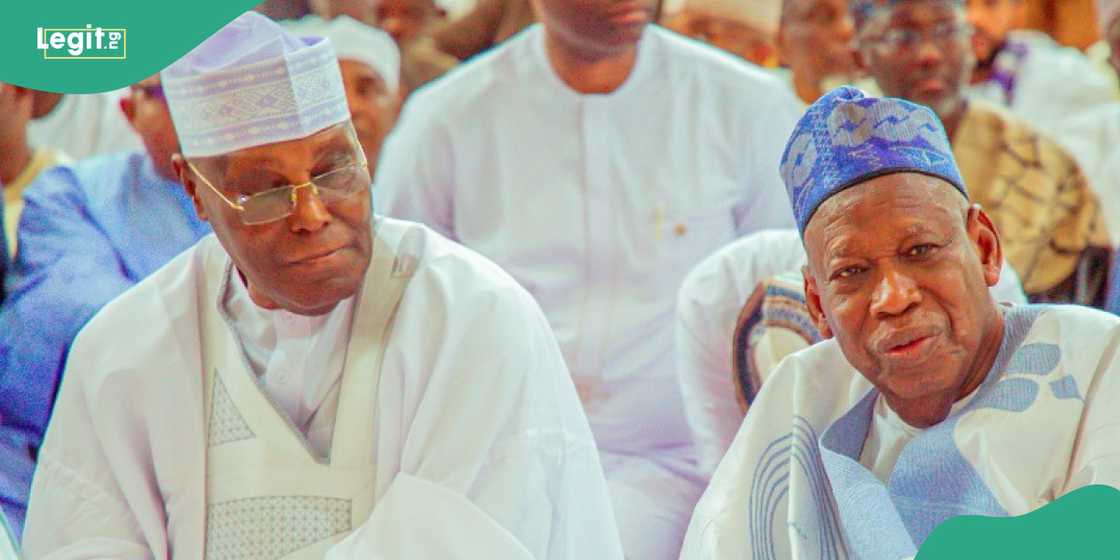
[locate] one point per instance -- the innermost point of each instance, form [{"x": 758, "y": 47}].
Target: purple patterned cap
[
  {"x": 253, "y": 83},
  {"x": 847, "y": 138}
]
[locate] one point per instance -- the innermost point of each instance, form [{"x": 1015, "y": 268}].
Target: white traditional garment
[
  {"x": 473, "y": 445},
  {"x": 708, "y": 304},
  {"x": 299, "y": 359},
  {"x": 794, "y": 484},
  {"x": 85, "y": 125},
  {"x": 599, "y": 205},
  {"x": 1047, "y": 85}
]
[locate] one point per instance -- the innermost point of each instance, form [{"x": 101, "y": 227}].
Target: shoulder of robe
[
  {"x": 448, "y": 274},
  {"x": 153, "y": 327},
  {"x": 817, "y": 376},
  {"x": 700, "y": 61},
  {"x": 467, "y": 88},
  {"x": 85, "y": 177},
  {"x": 732, "y": 269},
  {"x": 1015, "y": 131},
  {"x": 1080, "y": 329}
]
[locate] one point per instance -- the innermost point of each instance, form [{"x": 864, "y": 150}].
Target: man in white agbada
[
  {"x": 917, "y": 407},
  {"x": 313, "y": 380},
  {"x": 597, "y": 158},
  {"x": 710, "y": 302}
]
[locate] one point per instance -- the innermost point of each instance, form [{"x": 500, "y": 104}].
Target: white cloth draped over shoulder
[
  {"x": 798, "y": 484},
  {"x": 708, "y": 304},
  {"x": 477, "y": 447}
]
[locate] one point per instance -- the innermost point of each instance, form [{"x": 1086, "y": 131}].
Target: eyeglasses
[
  {"x": 279, "y": 203},
  {"x": 910, "y": 39}
]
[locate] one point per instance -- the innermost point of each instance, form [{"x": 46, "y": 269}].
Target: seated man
[
  {"x": 744, "y": 28},
  {"x": 313, "y": 380},
  {"x": 853, "y": 447},
  {"x": 1048, "y": 216},
  {"x": 90, "y": 230},
  {"x": 711, "y": 299}
]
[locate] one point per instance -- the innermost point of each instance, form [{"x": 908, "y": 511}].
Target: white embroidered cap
[
  {"x": 252, "y": 83},
  {"x": 354, "y": 40}
]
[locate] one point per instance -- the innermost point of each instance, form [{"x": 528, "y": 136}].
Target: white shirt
[
  {"x": 598, "y": 204},
  {"x": 708, "y": 307},
  {"x": 298, "y": 359},
  {"x": 85, "y": 125}
]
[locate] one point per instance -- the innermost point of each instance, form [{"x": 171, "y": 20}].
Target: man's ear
[
  {"x": 813, "y": 303},
  {"x": 985, "y": 238},
  {"x": 129, "y": 110},
  {"x": 184, "y": 173}
]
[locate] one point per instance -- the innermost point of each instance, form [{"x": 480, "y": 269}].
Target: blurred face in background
[
  {"x": 992, "y": 20},
  {"x": 373, "y": 108},
  {"x": 147, "y": 113},
  {"x": 814, "y": 42},
  {"x": 361, "y": 10},
  {"x": 920, "y": 51},
  {"x": 406, "y": 20},
  {"x": 596, "y": 27}
]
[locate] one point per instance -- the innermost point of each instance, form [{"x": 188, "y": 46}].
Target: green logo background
[{"x": 158, "y": 34}]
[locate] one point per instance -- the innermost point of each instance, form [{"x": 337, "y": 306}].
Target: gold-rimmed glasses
[{"x": 279, "y": 203}]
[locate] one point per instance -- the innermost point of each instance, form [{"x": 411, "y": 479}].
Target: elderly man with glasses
[{"x": 313, "y": 380}]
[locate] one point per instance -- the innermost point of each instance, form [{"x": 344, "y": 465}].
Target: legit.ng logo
[{"x": 89, "y": 43}]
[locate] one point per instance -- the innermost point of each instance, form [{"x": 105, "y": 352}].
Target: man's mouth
[{"x": 909, "y": 345}]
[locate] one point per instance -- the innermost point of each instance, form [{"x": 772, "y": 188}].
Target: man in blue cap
[
  {"x": 915, "y": 408},
  {"x": 312, "y": 380}
]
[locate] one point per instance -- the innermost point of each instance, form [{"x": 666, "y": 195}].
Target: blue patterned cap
[{"x": 847, "y": 138}]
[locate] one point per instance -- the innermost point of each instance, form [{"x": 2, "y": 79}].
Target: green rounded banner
[{"x": 78, "y": 46}]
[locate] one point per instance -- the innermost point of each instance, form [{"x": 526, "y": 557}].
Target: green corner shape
[
  {"x": 155, "y": 34},
  {"x": 1084, "y": 524}
]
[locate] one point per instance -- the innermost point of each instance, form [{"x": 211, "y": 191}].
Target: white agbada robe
[
  {"x": 708, "y": 306},
  {"x": 477, "y": 447},
  {"x": 799, "y": 483},
  {"x": 85, "y": 125},
  {"x": 599, "y": 205}
]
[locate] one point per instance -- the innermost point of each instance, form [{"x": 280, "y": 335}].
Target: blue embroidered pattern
[
  {"x": 846, "y": 138},
  {"x": 932, "y": 480},
  {"x": 770, "y": 488}
]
